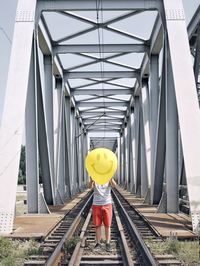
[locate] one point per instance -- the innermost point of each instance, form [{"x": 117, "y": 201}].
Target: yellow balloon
[{"x": 101, "y": 164}]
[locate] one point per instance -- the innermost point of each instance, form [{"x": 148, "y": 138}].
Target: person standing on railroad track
[
  {"x": 101, "y": 164},
  {"x": 102, "y": 211}
]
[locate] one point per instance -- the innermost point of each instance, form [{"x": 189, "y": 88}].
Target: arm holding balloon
[
  {"x": 91, "y": 183},
  {"x": 112, "y": 183}
]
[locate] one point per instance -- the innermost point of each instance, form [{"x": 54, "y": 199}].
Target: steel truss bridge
[{"x": 81, "y": 76}]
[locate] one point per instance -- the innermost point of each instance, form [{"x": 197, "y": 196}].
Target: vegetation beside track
[
  {"x": 186, "y": 251},
  {"x": 14, "y": 252}
]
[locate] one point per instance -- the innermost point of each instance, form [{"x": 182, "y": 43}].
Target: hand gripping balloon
[{"x": 101, "y": 164}]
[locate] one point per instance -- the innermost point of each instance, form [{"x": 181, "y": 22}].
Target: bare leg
[
  {"x": 98, "y": 233},
  {"x": 107, "y": 233}
]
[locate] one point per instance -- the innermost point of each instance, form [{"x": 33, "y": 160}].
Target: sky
[{"x": 7, "y": 17}]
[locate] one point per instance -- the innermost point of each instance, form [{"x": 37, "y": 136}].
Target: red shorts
[{"x": 102, "y": 214}]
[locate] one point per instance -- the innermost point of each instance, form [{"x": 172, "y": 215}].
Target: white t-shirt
[{"x": 102, "y": 194}]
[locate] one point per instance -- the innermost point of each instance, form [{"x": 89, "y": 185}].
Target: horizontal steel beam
[
  {"x": 101, "y": 104},
  {"x": 97, "y": 142},
  {"x": 106, "y": 48},
  {"x": 103, "y": 139},
  {"x": 110, "y": 113},
  {"x": 103, "y": 124},
  {"x": 115, "y": 120},
  {"x": 58, "y": 5},
  {"x": 99, "y": 74},
  {"x": 102, "y": 130},
  {"x": 102, "y": 92}
]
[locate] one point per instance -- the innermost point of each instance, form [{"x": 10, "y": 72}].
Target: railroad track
[
  {"x": 128, "y": 247},
  {"x": 142, "y": 232},
  {"x": 85, "y": 255},
  {"x": 129, "y": 232},
  {"x": 51, "y": 247}
]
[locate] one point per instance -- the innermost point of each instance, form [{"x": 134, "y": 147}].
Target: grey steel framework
[{"x": 74, "y": 89}]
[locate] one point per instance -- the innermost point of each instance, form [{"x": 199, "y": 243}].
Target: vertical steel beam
[
  {"x": 60, "y": 175},
  {"x": 154, "y": 95},
  {"x": 171, "y": 141},
  {"x": 55, "y": 122},
  {"x": 66, "y": 155},
  {"x": 48, "y": 106},
  {"x": 144, "y": 155},
  {"x": 87, "y": 144},
  {"x": 145, "y": 108},
  {"x": 31, "y": 127},
  {"x": 122, "y": 159},
  {"x": 85, "y": 151},
  {"x": 68, "y": 142},
  {"x": 42, "y": 137},
  {"x": 130, "y": 157},
  {"x": 159, "y": 166},
  {"x": 14, "y": 110},
  {"x": 118, "y": 159},
  {"x": 132, "y": 118},
  {"x": 186, "y": 98},
  {"x": 197, "y": 56},
  {"x": 72, "y": 148},
  {"x": 79, "y": 153},
  {"x": 82, "y": 153},
  {"x": 137, "y": 145},
  {"x": 126, "y": 150}
]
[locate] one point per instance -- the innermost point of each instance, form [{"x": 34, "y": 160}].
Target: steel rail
[
  {"x": 146, "y": 254},
  {"x": 78, "y": 251},
  {"x": 68, "y": 234},
  {"x": 125, "y": 249},
  {"x": 76, "y": 256}
]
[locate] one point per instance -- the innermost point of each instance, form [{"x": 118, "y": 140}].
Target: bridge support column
[
  {"x": 171, "y": 142},
  {"x": 187, "y": 101},
  {"x": 31, "y": 126},
  {"x": 14, "y": 110}
]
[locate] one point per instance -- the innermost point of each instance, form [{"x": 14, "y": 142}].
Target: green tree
[{"x": 22, "y": 167}]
